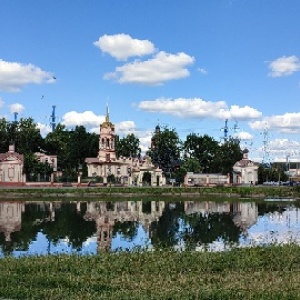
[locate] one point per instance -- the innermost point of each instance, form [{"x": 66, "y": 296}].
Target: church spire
[{"x": 107, "y": 114}]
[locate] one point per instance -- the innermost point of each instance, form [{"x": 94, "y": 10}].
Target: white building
[
  {"x": 11, "y": 167},
  {"x": 203, "y": 179},
  {"x": 44, "y": 158},
  {"x": 127, "y": 170},
  {"x": 245, "y": 171}
]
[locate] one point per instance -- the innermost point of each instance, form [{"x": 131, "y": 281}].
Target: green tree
[
  {"x": 128, "y": 146},
  {"x": 191, "y": 164},
  {"x": 4, "y": 135},
  {"x": 28, "y": 137},
  {"x": 166, "y": 150},
  {"x": 203, "y": 148},
  {"x": 226, "y": 156}
]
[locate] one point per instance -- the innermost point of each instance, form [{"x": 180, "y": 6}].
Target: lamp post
[
  {"x": 119, "y": 174},
  {"x": 79, "y": 174},
  {"x": 129, "y": 174}
]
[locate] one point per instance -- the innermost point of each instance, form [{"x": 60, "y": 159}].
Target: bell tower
[{"x": 107, "y": 151}]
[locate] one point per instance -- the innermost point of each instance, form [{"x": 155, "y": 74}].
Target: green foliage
[
  {"x": 166, "y": 149},
  {"x": 274, "y": 172},
  {"x": 128, "y": 146}
]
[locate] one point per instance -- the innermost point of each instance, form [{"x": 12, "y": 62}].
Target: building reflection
[
  {"x": 10, "y": 218},
  {"x": 244, "y": 214},
  {"x": 106, "y": 218},
  {"x": 106, "y": 214}
]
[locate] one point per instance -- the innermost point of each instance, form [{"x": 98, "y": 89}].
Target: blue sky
[{"x": 189, "y": 65}]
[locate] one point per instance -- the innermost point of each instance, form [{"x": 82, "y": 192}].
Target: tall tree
[
  {"x": 203, "y": 148},
  {"x": 166, "y": 147},
  {"x": 28, "y": 137},
  {"x": 227, "y": 155},
  {"x": 4, "y": 135},
  {"x": 128, "y": 146}
]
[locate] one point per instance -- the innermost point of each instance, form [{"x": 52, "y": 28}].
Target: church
[
  {"x": 245, "y": 171},
  {"x": 126, "y": 170},
  {"x": 12, "y": 167}
]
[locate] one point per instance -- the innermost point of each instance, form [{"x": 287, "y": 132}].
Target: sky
[{"x": 192, "y": 66}]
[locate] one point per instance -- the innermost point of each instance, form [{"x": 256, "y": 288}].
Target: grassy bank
[
  {"x": 232, "y": 192},
  {"x": 254, "y": 273}
]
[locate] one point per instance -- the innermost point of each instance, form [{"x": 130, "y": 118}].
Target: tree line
[{"x": 196, "y": 153}]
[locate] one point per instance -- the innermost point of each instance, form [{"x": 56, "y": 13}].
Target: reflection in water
[{"x": 91, "y": 227}]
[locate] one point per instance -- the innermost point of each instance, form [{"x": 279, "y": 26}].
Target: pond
[{"x": 89, "y": 227}]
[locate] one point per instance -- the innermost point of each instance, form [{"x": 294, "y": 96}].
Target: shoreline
[{"x": 234, "y": 192}]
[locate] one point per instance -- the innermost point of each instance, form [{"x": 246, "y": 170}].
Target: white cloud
[
  {"x": 125, "y": 127},
  {"x": 288, "y": 123},
  {"x": 156, "y": 71},
  {"x": 92, "y": 122},
  {"x": 16, "y": 108},
  {"x": 44, "y": 129},
  {"x": 1, "y": 103},
  {"x": 122, "y": 46},
  {"x": 244, "y": 136},
  {"x": 283, "y": 149},
  {"x": 14, "y": 76},
  {"x": 198, "y": 108},
  {"x": 284, "y": 66},
  {"x": 128, "y": 127},
  {"x": 87, "y": 119}
]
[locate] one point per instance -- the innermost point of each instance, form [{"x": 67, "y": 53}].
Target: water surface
[{"x": 41, "y": 228}]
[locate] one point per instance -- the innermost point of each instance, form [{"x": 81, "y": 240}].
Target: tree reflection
[
  {"x": 128, "y": 229},
  {"x": 69, "y": 224},
  {"x": 203, "y": 229},
  {"x": 164, "y": 232},
  {"x": 20, "y": 240}
]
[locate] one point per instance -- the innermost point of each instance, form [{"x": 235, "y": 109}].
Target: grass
[
  {"x": 198, "y": 192},
  {"x": 252, "y": 273}
]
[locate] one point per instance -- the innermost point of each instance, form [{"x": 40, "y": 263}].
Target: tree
[
  {"x": 226, "y": 156},
  {"x": 4, "y": 136},
  {"x": 128, "y": 146},
  {"x": 28, "y": 138},
  {"x": 202, "y": 148},
  {"x": 58, "y": 143},
  {"x": 166, "y": 149},
  {"x": 192, "y": 164}
]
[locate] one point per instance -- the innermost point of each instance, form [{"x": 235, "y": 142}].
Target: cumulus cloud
[
  {"x": 125, "y": 127},
  {"x": 87, "y": 119},
  {"x": 198, "y": 108},
  {"x": 244, "y": 136},
  {"x": 14, "y": 76},
  {"x": 283, "y": 149},
  {"x": 283, "y": 66},
  {"x": 122, "y": 46},
  {"x": 16, "y": 108},
  {"x": 1, "y": 103},
  {"x": 287, "y": 123},
  {"x": 44, "y": 129},
  {"x": 155, "y": 71}
]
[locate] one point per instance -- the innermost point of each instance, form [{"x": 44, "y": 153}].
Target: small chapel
[
  {"x": 12, "y": 167},
  {"x": 245, "y": 171},
  {"x": 126, "y": 170}
]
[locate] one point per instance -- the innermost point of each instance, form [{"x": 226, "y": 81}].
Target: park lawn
[{"x": 249, "y": 273}]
